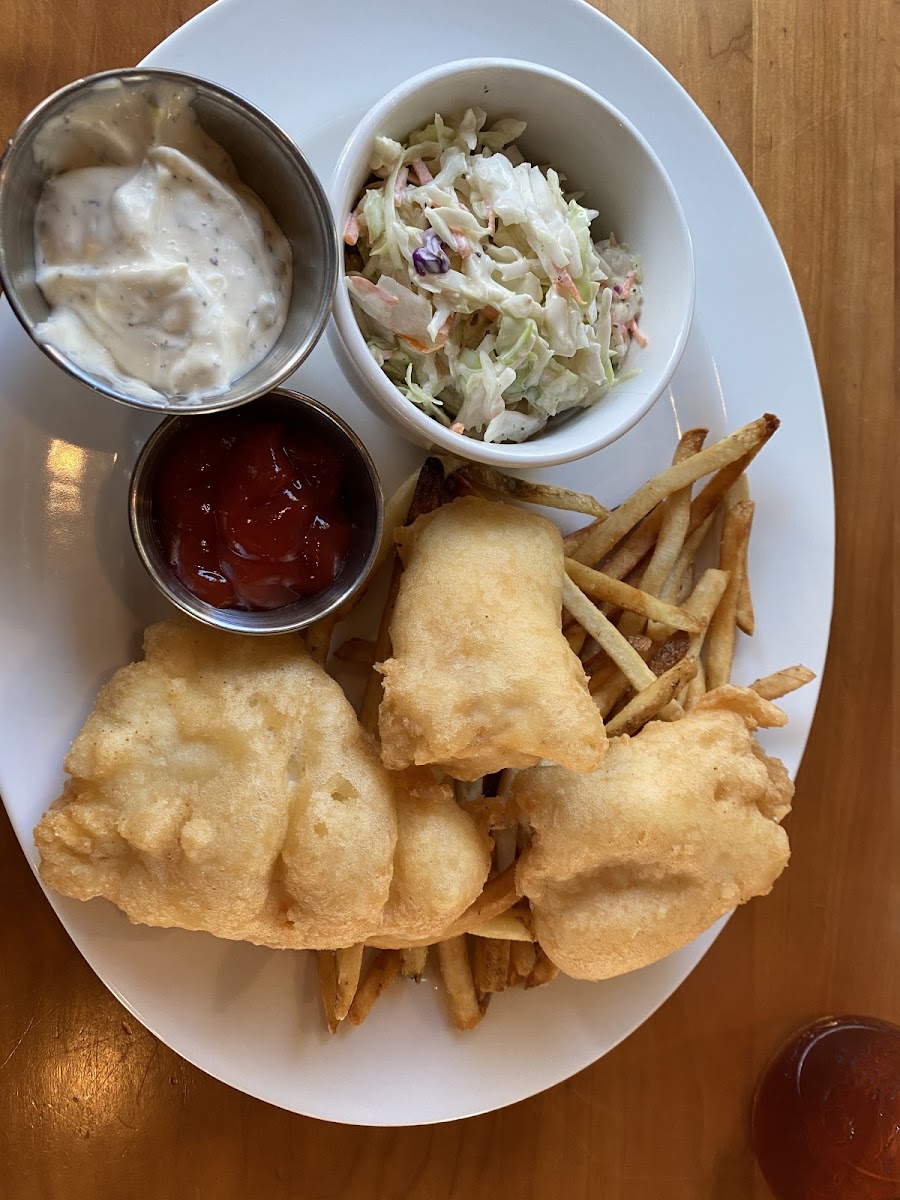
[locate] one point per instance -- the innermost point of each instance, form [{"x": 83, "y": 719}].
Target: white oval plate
[{"x": 73, "y": 597}]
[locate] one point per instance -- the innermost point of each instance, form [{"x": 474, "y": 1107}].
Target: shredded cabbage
[{"x": 478, "y": 286}]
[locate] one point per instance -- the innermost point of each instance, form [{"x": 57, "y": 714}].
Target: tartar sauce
[{"x": 166, "y": 276}]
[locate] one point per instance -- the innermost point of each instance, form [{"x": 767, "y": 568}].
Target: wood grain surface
[{"x": 91, "y": 1105}]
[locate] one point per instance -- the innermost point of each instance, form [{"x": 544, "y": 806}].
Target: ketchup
[
  {"x": 826, "y": 1117},
  {"x": 251, "y": 511}
]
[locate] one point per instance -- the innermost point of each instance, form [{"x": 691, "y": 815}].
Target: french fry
[
  {"x": 348, "y": 963},
  {"x": 746, "y": 619},
  {"x": 453, "y": 957},
  {"x": 703, "y": 602},
  {"x": 780, "y": 683},
  {"x": 543, "y": 971},
  {"x": 318, "y": 638},
  {"x": 675, "y": 520},
  {"x": 490, "y": 964},
  {"x": 573, "y": 540},
  {"x": 721, "y": 635},
  {"x": 606, "y": 635},
  {"x": 619, "y": 649},
  {"x": 356, "y": 651},
  {"x": 325, "y": 964},
  {"x": 635, "y": 600},
  {"x": 722, "y": 453},
  {"x": 576, "y": 637},
  {"x": 428, "y": 495},
  {"x": 673, "y": 528},
  {"x": 603, "y": 665},
  {"x": 413, "y": 961},
  {"x": 512, "y": 926},
  {"x": 522, "y": 960},
  {"x": 686, "y": 558},
  {"x": 546, "y": 494},
  {"x": 653, "y": 700},
  {"x": 672, "y": 651},
  {"x": 695, "y": 689},
  {"x": 634, "y": 549},
  {"x": 382, "y": 971}
]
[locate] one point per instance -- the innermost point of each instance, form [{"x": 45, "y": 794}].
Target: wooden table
[{"x": 91, "y": 1105}]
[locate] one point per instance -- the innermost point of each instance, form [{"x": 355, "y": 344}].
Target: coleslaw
[{"x": 477, "y": 285}]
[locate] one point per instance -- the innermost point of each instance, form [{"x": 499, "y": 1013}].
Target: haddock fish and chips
[{"x": 225, "y": 784}]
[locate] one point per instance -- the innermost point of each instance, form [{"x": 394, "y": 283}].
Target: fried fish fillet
[
  {"x": 224, "y": 784},
  {"x": 481, "y": 676},
  {"x": 678, "y": 826}
]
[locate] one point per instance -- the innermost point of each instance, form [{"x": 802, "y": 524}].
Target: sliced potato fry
[
  {"x": 546, "y": 494},
  {"x": 325, "y": 963},
  {"x": 511, "y": 925},
  {"x": 634, "y": 549},
  {"x": 653, "y": 700},
  {"x": 382, "y": 971},
  {"x": 522, "y": 959},
  {"x": 606, "y": 635},
  {"x": 736, "y": 445},
  {"x": 348, "y": 964},
  {"x": 780, "y": 683},
  {"x": 573, "y": 540},
  {"x": 623, "y": 595},
  {"x": 453, "y": 957},
  {"x": 695, "y": 689},
  {"x": 413, "y": 961},
  {"x": 543, "y": 971},
  {"x": 490, "y": 964},
  {"x": 722, "y": 628},
  {"x": 672, "y": 651},
  {"x": 746, "y": 619},
  {"x": 396, "y": 509}
]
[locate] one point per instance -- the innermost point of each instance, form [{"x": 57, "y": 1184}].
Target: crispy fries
[
  {"x": 382, "y": 971},
  {"x": 543, "y": 971},
  {"x": 653, "y": 699},
  {"x": 413, "y": 961},
  {"x": 546, "y": 494},
  {"x": 736, "y": 445},
  {"x": 453, "y": 957},
  {"x": 522, "y": 961},
  {"x": 490, "y": 964},
  {"x": 325, "y": 963},
  {"x": 576, "y": 636},
  {"x": 348, "y": 963},
  {"x": 512, "y": 926},
  {"x": 623, "y": 595},
  {"x": 720, "y": 639},
  {"x": 746, "y": 620},
  {"x": 606, "y": 635},
  {"x": 781, "y": 683}
]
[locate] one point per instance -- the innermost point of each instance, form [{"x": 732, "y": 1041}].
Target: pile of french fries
[{"x": 653, "y": 633}]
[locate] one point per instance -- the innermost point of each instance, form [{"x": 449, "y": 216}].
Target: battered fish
[
  {"x": 224, "y": 784},
  {"x": 678, "y": 826},
  {"x": 481, "y": 676}
]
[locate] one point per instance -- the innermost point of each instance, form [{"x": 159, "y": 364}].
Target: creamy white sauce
[{"x": 165, "y": 275}]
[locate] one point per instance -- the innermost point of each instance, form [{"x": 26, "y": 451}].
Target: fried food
[
  {"x": 678, "y": 826},
  {"x": 224, "y": 784},
  {"x": 481, "y": 677}
]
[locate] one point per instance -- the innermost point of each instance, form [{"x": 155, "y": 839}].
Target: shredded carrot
[
  {"x": 490, "y": 312},
  {"x": 422, "y": 173},
  {"x": 462, "y": 242},
  {"x": 351, "y": 230},
  {"x": 565, "y": 283},
  {"x": 400, "y": 184},
  {"x": 636, "y": 333},
  {"x": 457, "y": 427},
  {"x": 366, "y": 285}
]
